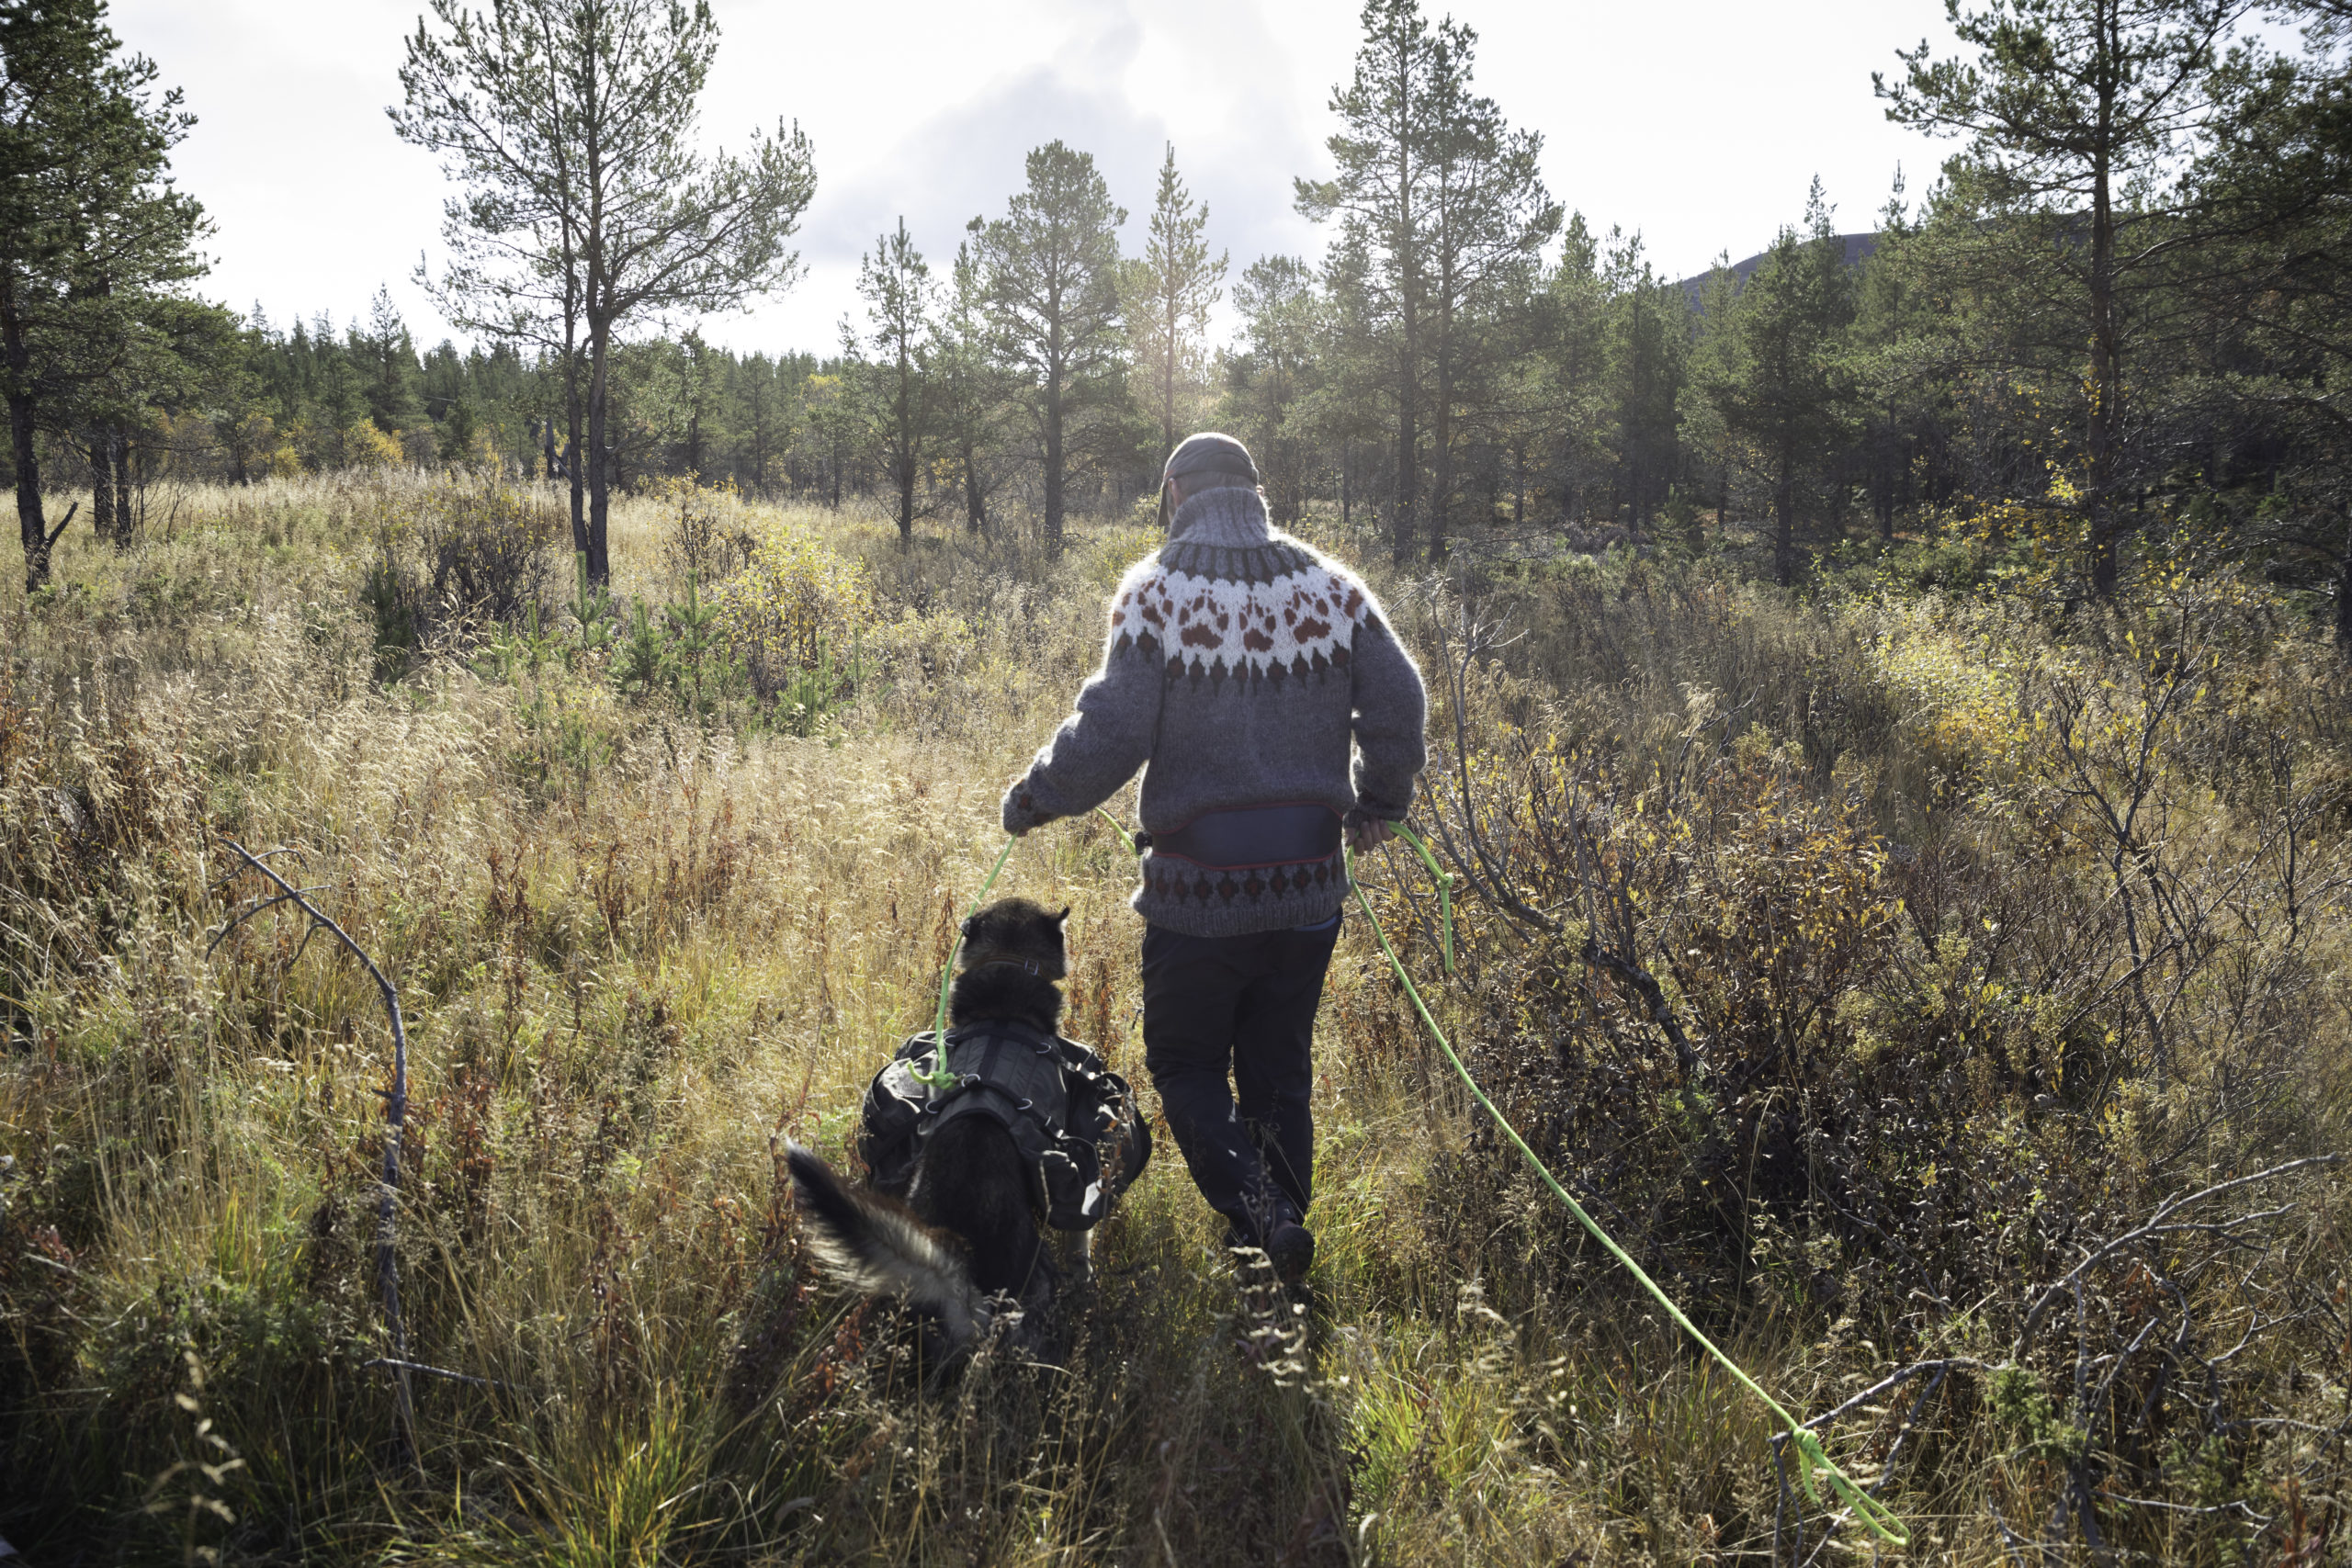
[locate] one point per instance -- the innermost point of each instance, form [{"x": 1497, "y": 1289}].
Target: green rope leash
[
  {"x": 1880, "y": 1520},
  {"x": 939, "y": 1076},
  {"x": 1444, "y": 880},
  {"x": 1813, "y": 1459},
  {"x": 1124, "y": 837}
]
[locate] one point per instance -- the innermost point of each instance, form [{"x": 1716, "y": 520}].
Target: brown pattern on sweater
[{"x": 1241, "y": 669}]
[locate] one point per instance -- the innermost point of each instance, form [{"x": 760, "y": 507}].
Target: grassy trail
[{"x": 643, "y": 929}]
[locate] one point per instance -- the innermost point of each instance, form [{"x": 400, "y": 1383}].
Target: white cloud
[{"x": 1699, "y": 124}]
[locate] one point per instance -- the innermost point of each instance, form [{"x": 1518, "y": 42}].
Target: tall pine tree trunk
[
  {"x": 1408, "y": 277},
  {"x": 1167, "y": 380},
  {"x": 2106, "y": 387},
  {"x": 1441, "y": 438},
  {"x": 1407, "y": 456},
  {"x": 1054, "y": 461},
  {"x": 102, "y": 521},
  {"x": 595, "y": 457},
  {"x": 975, "y": 504},
  {"x": 573, "y": 435},
  {"x": 908, "y": 457},
  {"x": 124, "y": 519},
  {"x": 32, "y": 527}
]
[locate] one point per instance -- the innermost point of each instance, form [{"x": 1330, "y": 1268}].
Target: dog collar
[{"x": 1026, "y": 966}]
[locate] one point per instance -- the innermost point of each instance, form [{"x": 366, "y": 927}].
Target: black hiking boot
[
  {"x": 1287, "y": 1252},
  {"x": 1290, "y": 1250}
]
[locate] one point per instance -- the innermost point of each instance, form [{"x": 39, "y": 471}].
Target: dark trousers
[{"x": 1243, "y": 1006}]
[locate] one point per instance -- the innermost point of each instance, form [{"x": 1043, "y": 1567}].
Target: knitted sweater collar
[{"x": 1232, "y": 517}]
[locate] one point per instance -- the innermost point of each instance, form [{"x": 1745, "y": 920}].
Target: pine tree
[
  {"x": 830, "y": 417},
  {"x": 1781, "y": 385},
  {"x": 2071, "y": 109},
  {"x": 2267, "y": 299},
  {"x": 1570, "y": 341},
  {"x": 970, "y": 382},
  {"x": 1281, "y": 322},
  {"x": 1171, "y": 288},
  {"x": 1648, "y": 348},
  {"x": 388, "y": 358},
  {"x": 1489, "y": 219},
  {"x": 760, "y": 416},
  {"x": 1891, "y": 311},
  {"x": 93, "y": 240},
  {"x": 570, "y": 124},
  {"x": 900, "y": 338},
  {"x": 1051, "y": 264},
  {"x": 1381, "y": 200}
]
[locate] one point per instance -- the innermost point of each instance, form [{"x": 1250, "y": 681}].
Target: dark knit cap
[{"x": 1210, "y": 453}]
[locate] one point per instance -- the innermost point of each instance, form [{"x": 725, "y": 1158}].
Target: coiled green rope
[{"x": 1811, "y": 1459}]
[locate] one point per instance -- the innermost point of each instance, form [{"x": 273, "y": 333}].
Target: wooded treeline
[{"x": 2117, "y": 319}]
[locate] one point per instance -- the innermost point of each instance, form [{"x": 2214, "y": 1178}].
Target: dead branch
[
  {"x": 2159, "y": 1224},
  {"x": 395, "y": 1104}
]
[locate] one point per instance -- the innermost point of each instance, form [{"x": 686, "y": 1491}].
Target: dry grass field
[{"x": 1972, "y": 934}]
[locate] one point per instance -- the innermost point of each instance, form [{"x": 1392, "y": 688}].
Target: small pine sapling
[
  {"x": 591, "y": 611},
  {"x": 642, "y": 659},
  {"x": 694, "y": 631}
]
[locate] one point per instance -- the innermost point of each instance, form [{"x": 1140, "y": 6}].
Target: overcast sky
[{"x": 1698, "y": 123}]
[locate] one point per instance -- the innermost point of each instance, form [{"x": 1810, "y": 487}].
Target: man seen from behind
[{"x": 1259, "y": 686}]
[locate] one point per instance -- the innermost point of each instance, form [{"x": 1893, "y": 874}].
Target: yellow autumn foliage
[
  {"x": 1961, "y": 708},
  {"x": 365, "y": 447},
  {"x": 796, "y": 604}
]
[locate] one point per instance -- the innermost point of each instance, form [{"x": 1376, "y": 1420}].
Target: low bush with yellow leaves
[
  {"x": 1808, "y": 1070},
  {"x": 795, "y": 607}
]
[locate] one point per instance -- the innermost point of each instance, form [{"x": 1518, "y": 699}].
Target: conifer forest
[{"x": 466, "y": 807}]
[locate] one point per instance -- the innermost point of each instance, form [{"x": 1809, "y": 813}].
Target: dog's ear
[
  {"x": 1063, "y": 918},
  {"x": 966, "y": 928}
]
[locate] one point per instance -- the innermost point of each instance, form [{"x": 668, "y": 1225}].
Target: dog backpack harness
[{"x": 1073, "y": 1119}]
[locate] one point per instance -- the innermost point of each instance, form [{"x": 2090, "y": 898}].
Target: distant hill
[{"x": 1858, "y": 248}]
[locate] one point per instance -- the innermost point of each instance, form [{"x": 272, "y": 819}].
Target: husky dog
[{"x": 967, "y": 1245}]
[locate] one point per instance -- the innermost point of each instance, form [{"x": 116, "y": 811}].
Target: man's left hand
[{"x": 1368, "y": 833}]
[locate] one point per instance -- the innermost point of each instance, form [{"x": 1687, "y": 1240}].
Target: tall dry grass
[{"x": 637, "y": 936}]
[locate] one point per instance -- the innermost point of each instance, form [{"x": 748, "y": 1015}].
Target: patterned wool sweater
[{"x": 1243, "y": 669}]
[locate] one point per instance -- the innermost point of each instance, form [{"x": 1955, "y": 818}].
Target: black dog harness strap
[{"x": 1068, "y": 1114}]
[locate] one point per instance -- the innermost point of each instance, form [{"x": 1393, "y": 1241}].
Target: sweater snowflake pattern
[{"x": 1243, "y": 669}]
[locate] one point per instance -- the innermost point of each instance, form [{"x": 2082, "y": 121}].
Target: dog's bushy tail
[{"x": 878, "y": 1247}]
